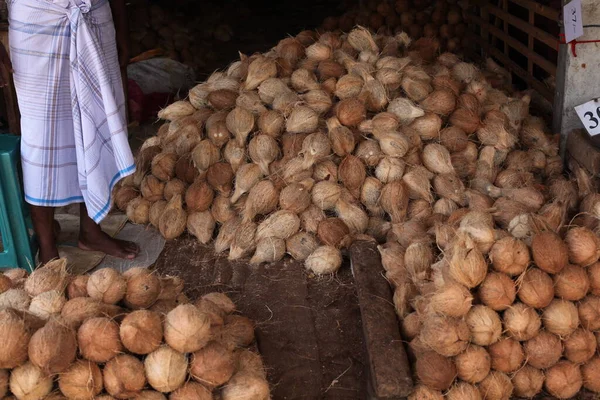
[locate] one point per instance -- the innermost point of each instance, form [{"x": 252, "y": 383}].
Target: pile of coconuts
[
  {"x": 323, "y": 140},
  {"x": 109, "y": 335},
  {"x": 441, "y": 19}
]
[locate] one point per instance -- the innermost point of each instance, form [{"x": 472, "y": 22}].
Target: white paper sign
[
  {"x": 589, "y": 114},
  {"x": 573, "y": 20}
]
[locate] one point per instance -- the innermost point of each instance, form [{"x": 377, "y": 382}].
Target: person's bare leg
[
  {"x": 91, "y": 237},
  {"x": 43, "y": 224}
]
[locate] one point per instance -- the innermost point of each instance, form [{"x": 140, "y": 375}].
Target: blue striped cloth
[{"x": 74, "y": 135}]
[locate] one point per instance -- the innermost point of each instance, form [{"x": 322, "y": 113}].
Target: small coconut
[
  {"x": 191, "y": 391},
  {"x": 394, "y": 144},
  {"x": 107, "y": 285},
  {"x": 53, "y": 347},
  {"x": 176, "y": 110},
  {"x": 394, "y": 200},
  {"x": 156, "y": 211},
  {"x": 124, "y": 376},
  {"x": 166, "y": 369},
  {"x": 52, "y": 276},
  {"x": 352, "y": 174},
  {"x": 295, "y": 198},
  {"x": 543, "y": 351},
  {"x": 527, "y": 381},
  {"x": 324, "y": 260},
  {"x": 77, "y": 310},
  {"x": 174, "y": 187},
  {"x": 452, "y": 299},
  {"x": 220, "y": 176},
  {"x": 47, "y": 304},
  {"x": 262, "y": 199},
  {"x": 411, "y": 326},
  {"x": 237, "y": 332},
  {"x": 138, "y": 210},
  {"x": 186, "y": 329},
  {"x": 441, "y": 102},
  {"x": 485, "y": 325},
  {"x": 246, "y": 386},
  {"x": 270, "y": 249},
  {"x": 244, "y": 241},
  {"x": 422, "y": 392},
  {"x": 301, "y": 245},
  {"x": 246, "y": 177},
  {"x": 435, "y": 371},
  {"x": 390, "y": 169},
  {"x": 27, "y": 381},
  {"x": 13, "y": 349},
  {"x": 589, "y": 312},
  {"x": 536, "y": 288},
  {"x": 143, "y": 288},
  {"x": 199, "y": 196},
  {"x": 496, "y": 386},
  {"x": 83, "y": 380},
  {"x": 445, "y": 335},
  {"x": 473, "y": 365},
  {"x": 451, "y": 187},
  {"x": 580, "y": 346},
  {"x": 201, "y": 225},
  {"x": 507, "y": 355},
  {"x": 563, "y": 380},
  {"x": 124, "y": 195},
  {"x": 163, "y": 166},
  {"x": 310, "y": 219},
  {"x": 213, "y": 365},
  {"x": 583, "y": 246},
  {"x": 271, "y": 123},
  {"x": 521, "y": 322},
  {"x": 497, "y": 291},
  {"x": 571, "y": 283},
  {"x": 333, "y": 232},
  {"x": 302, "y": 120},
  {"x": 351, "y": 112},
  {"x": 510, "y": 256},
  {"x": 281, "y": 224},
  {"x": 467, "y": 266},
  {"x": 98, "y": 339},
  {"x": 560, "y": 317},
  {"x": 141, "y": 331},
  {"x": 590, "y": 373},
  {"x": 185, "y": 169}
]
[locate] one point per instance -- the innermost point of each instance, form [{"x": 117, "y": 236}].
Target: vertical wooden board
[{"x": 388, "y": 363}]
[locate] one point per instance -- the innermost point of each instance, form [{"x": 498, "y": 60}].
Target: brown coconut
[
  {"x": 590, "y": 373},
  {"x": 16, "y": 335},
  {"x": 143, "y": 288},
  {"x": 351, "y": 112},
  {"x": 550, "y": 253},
  {"x": 560, "y": 317},
  {"x": 527, "y": 381},
  {"x": 435, "y": 371},
  {"x": 53, "y": 347},
  {"x": 496, "y": 386},
  {"x": 124, "y": 376},
  {"x": 166, "y": 369},
  {"x": 589, "y": 312},
  {"x": 163, "y": 166},
  {"x": 98, "y": 339},
  {"x": 497, "y": 291},
  {"x": 507, "y": 355},
  {"x": 543, "y": 351},
  {"x": 563, "y": 380},
  {"x": 51, "y": 276},
  {"x": 191, "y": 391},
  {"x": 213, "y": 365},
  {"x": 536, "y": 288},
  {"x": 199, "y": 196},
  {"x": 83, "y": 380},
  {"x": 510, "y": 256},
  {"x": 186, "y": 329},
  {"x": 27, "y": 381},
  {"x": 580, "y": 346},
  {"x": 521, "y": 322},
  {"x": 152, "y": 188},
  {"x": 582, "y": 246},
  {"x": 107, "y": 285},
  {"x": 445, "y": 335},
  {"x": 452, "y": 299},
  {"x": 141, "y": 331},
  {"x": 485, "y": 325},
  {"x": 572, "y": 283},
  {"x": 473, "y": 365},
  {"x": 138, "y": 210}
]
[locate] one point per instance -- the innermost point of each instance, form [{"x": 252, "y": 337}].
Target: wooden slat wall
[{"x": 493, "y": 22}]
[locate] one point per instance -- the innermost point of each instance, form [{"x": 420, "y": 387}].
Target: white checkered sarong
[{"x": 74, "y": 136}]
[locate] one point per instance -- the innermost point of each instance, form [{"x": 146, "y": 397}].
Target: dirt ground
[{"x": 309, "y": 329}]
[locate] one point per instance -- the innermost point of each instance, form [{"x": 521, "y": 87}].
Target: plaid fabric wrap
[{"x": 67, "y": 77}]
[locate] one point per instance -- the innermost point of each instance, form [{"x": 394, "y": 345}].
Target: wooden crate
[{"x": 522, "y": 35}]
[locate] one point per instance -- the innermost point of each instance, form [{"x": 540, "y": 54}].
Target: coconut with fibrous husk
[
  {"x": 213, "y": 365},
  {"x": 53, "y": 347},
  {"x": 583, "y": 246},
  {"x": 390, "y": 169},
  {"x": 417, "y": 182},
  {"x": 52, "y": 276},
  {"x": 411, "y": 326},
  {"x": 214, "y": 312},
  {"x": 409, "y": 232},
  {"x": 560, "y": 317},
  {"x": 83, "y": 380},
  {"x": 326, "y": 170},
  {"x": 563, "y": 380},
  {"x": 237, "y": 332},
  {"x": 521, "y": 322},
  {"x": 435, "y": 371},
  {"x": 352, "y": 174},
  {"x": 589, "y": 312},
  {"x": 269, "y": 249},
  {"x": 510, "y": 256},
  {"x": 47, "y": 304},
  {"x": 479, "y": 226},
  {"x": 543, "y": 350},
  {"x": 199, "y": 196},
  {"x": 536, "y": 288},
  {"x": 246, "y": 177},
  {"x": 166, "y": 369},
  {"x": 473, "y": 365},
  {"x": 427, "y": 126},
  {"x": 445, "y": 335},
  {"x": 451, "y": 187},
  {"x": 77, "y": 310},
  {"x": 394, "y": 200},
  {"x": 191, "y": 391},
  {"x": 590, "y": 372},
  {"x": 163, "y": 166},
  {"x": 418, "y": 259},
  {"x": 174, "y": 187},
  {"x": 77, "y": 286},
  {"x": 580, "y": 346},
  {"x": 201, "y": 225},
  {"x": 527, "y": 381},
  {"x": 467, "y": 265},
  {"x": 226, "y": 234},
  {"x": 466, "y": 120},
  {"x": 571, "y": 283},
  {"x": 370, "y": 194},
  {"x": 437, "y": 159},
  {"x": 464, "y": 391},
  {"x": 281, "y": 224},
  {"x": 138, "y": 210},
  {"x": 222, "y": 301},
  {"x": 324, "y": 260},
  {"x": 243, "y": 242},
  {"x": 107, "y": 285},
  {"x": 302, "y": 120},
  {"x": 394, "y": 144},
  {"x": 141, "y": 331},
  {"x": 441, "y": 102},
  {"x": 416, "y": 89},
  {"x": 170, "y": 287},
  {"x": 262, "y": 199},
  {"x": 301, "y": 245},
  {"x": 186, "y": 329},
  {"x": 325, "y": 194},
  {"x": 593, "y": 272},
  {"x": 496, "y": 386},
  {"x": 143, "y": 288},
  {"x": 98, "y": 339},
  {"x": 485, "y": 325},
  {"x": 176, "y": 110},
  {"x": 295, "y": 198},
  {"x": 16, "y": 335},
  {"x": 497, "y": 291},
  {"x": 246, "y": 386},
  {"x": 29, "y": 382},
  {"x": 123, "y": 195},
  {"x": 152, "y": 188},
  {"x": 507, "y": 355},
  {"x": 333, "y": 232},
  {"x": 220, "y": 176},
  {"x": 422, "y": 392},
  {"x": 124, "y": 376},
  {"x": 452, "y": 299},
  {"x": 549, "y": 252}
]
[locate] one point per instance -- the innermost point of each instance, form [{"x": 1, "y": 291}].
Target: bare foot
[{"x": 99, "y": 241}]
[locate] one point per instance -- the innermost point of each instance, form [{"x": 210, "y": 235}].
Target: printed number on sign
[{"x": 589, "y": 114}]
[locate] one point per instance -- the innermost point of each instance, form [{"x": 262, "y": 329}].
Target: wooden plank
[
  {"x": 539, "y": 34},
  {"x": 530, "y": 43},
  {"x": 581, "y": 148},
  {"x": 545, "y": 11},
  {"x": 539, "y": 60},
  {"x": 388, "y": 363},
  {"x": 506, "y": 47},
  {"x": 513, "y": 67}
]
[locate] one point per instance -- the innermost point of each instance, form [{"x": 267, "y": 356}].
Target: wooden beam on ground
[{"x": 388, "y": 363}]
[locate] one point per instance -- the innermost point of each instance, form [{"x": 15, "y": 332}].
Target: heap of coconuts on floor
[
  {"x": 120, "y": 336},
  {"x": 326, "y": 139}
]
